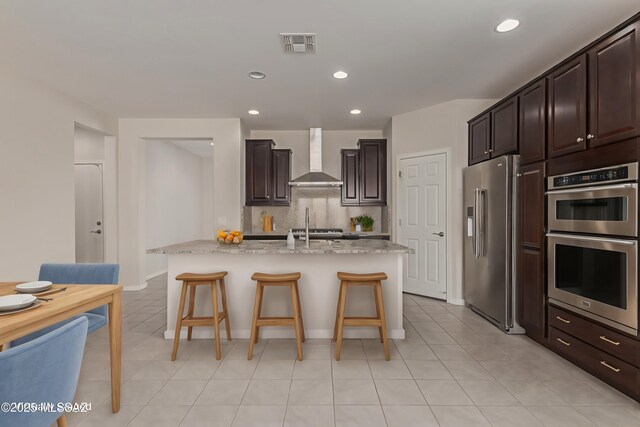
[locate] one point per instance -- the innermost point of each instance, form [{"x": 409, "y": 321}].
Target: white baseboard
[
  {"x": 455, "y": 301},
  {"x": 134, "y": 288},
  {"x": 201, "y": 333},
  {"x": 156, "y": 274}
]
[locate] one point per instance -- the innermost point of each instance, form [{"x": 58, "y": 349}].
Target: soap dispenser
[{"x": 291, "y": 241}]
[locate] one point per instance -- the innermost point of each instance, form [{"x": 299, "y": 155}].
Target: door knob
[
  {"x": 590, "y": 136},
  {"x": 96, "y": 232},
  {"x": 441, "y": 234},
  {"x": 579, "y": 140}
]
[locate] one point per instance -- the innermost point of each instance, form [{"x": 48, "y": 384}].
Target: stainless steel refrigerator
[{"x": 490, "y": 202}]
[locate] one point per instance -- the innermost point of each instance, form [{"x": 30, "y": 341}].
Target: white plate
[
  {"x": 33, "y": 287},
  {"x": 16, "y": 302}
]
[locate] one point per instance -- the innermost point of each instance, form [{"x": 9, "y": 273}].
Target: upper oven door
[{"x": 607, "y": 209}]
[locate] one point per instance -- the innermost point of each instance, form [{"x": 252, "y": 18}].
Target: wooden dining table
[{"x": 76, "y": 299}]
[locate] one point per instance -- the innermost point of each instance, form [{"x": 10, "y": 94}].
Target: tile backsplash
[{"x": 325, "y": 212}]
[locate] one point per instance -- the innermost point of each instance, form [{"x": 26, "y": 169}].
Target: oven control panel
[{"x": 626, "y": 172}]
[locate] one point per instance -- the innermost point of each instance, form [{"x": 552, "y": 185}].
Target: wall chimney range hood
[{"x": 315, "y": 177}]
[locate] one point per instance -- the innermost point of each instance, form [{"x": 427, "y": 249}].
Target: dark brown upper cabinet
[
  {"x": 531, "y": 209},
  {"x": 567, "y": 108},
  {"x": 479, "y": 139},
  {"x": 532, "y": 123},
  {"x": 350, "y": 177},
  {"x": 364, "y": 174},
  {"x": 267, "y": 174},
  {"x": 373, "y": 172},
  {"x": 614, "y": 91},
  {"x": 280, "y": 177},
  {"x": 504, "y": 128},
  {"x": 258, "y": 172}
]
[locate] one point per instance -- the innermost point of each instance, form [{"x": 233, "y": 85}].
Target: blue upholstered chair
[
  {"x": 94, "y": 274},
  {"x": 45, "y": 369}
]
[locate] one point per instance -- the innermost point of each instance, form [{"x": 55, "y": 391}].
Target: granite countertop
[
  {"x": 280, "y": 247},
  {"x": 284, "y": 233}
]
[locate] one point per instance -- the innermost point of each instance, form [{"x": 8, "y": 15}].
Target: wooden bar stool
[
  {"x": 190, "y": 281},
  {"x": 352, "y": 279},
  {"x": 288, "y": 279}
]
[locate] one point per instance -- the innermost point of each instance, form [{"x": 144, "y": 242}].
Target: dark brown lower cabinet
[
  {"x": 610, "y": 369},
  {"x": 532, "y": 292}
]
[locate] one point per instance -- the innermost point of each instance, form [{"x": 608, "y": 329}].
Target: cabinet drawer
[
  {"x": 619, "y": 345},
  {"x": 611, "y": 369}
]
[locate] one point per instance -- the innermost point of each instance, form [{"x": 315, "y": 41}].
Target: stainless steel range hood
[{"x": 315, "y": 177}]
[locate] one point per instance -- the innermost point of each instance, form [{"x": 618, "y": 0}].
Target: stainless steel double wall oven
[{"x": 593, "y": 244}]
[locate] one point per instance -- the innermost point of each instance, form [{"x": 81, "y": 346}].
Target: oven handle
[
  {"x": 593, "y": 239},
  {"x": 587, "y": 189}
]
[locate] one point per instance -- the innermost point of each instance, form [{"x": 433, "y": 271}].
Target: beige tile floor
[{"x": 453, "y": 369}]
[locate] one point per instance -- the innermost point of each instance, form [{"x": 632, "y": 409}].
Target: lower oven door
[{"x": 596, "y": 277}]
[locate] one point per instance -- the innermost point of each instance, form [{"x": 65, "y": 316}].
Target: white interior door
[
  {"x": 89, "y": 213},
  {"x": 422, "y": 224}
]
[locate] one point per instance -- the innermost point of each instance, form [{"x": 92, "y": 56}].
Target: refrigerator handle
[
  {"x": 481, "y": 222},
  {"x": 476, "y": 214}
]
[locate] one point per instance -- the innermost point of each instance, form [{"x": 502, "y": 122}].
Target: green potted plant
[{"x": 365, "y": 221}]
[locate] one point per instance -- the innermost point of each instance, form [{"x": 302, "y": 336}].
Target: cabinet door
[
  {"x": 350, "y": 177},
  {"x": 532, "y": 123},
  {"x": 504, "y": 128},
  {"x": 479, "y": 137},
  {"x": 280, "y": 177},
  {"x": 531, "y": 292},
  {"x": 567, "y": 108},
  {"x": 614, "y": 88},
  {"x": 373, "y": 172},
  {"x": 531, "y": 306},
  {"x": 532, "y": 212},
  {"x": 258, "y": 172}
]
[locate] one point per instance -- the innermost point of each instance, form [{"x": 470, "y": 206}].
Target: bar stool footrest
[
  {"x": 275, "y": 321},
  {"x": 362, "y": 321}
]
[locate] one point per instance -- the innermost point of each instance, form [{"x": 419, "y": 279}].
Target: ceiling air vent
[{"x": 298, "y": 42}]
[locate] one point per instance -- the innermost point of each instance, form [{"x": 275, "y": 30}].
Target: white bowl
[
  {"x": 33, "y": 287},
  {"x": 16, "y": 301}
]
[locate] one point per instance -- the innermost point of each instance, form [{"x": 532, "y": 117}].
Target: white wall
[
  {"x": 437, "y": 127},
  {"x": 227, "y": 192},
  {"x": 173, "y": 197},
  {"x": 332, "y": 142},
  {"x": 207, "y": 221},
  {"x": 37, "y": 217},
  {"x": 88, "y": 145}
]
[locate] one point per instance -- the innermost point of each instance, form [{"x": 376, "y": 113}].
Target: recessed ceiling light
[
  {"x": 356, "y": 111},
  {"x": 257, "y": 75},
  {"x": 340, "y": 75},
  {"x": 254, "y": 112},
  {"x": 507, "y": 25},
  {"x": 212, "y": 144}
]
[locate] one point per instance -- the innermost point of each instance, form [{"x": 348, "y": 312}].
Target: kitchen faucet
[{"x": 306, "y": 226}]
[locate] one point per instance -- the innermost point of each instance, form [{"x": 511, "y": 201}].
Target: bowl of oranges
[{"x": 229, "y": 237}]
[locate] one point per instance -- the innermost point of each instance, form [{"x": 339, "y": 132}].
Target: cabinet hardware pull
[
  {"x": 491, "y": 150},
  {"x": 579, "y": 140},
  {"x": 486, "y": 152},
  {"x": 563, "y": 320},
  {"x": 590, "y": 136},
  {"x": 602, "y": 362},
  {"x": 563, "y": 342},
  {"x": 518, "y": 175},
  {"x": 604, "y": 338}
]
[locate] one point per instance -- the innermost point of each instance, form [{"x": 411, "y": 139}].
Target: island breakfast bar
[{"x": 319, "y": 285}]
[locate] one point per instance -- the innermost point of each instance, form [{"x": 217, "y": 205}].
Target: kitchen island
[{"x": 319, "y": 286}]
